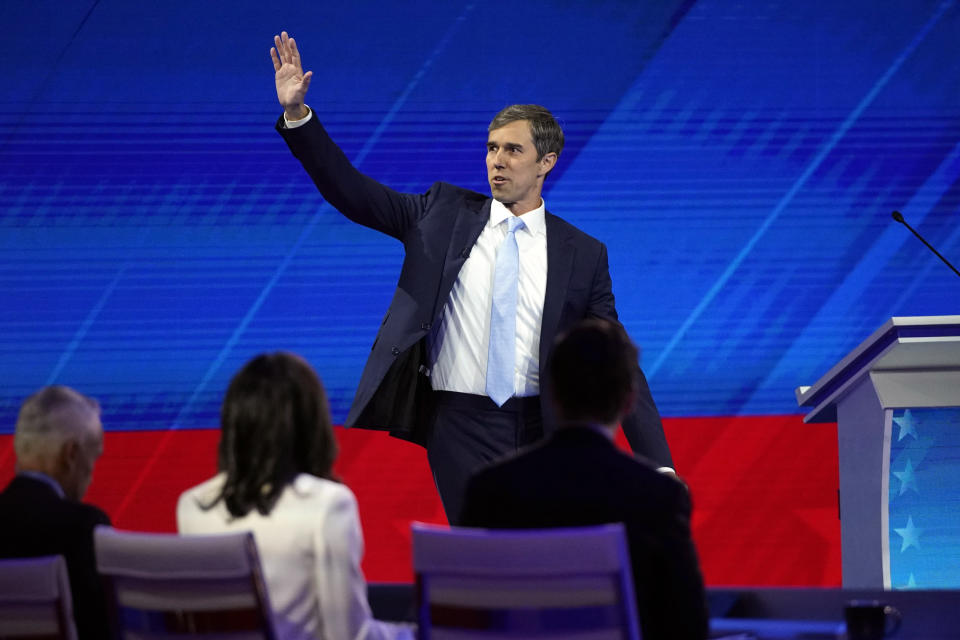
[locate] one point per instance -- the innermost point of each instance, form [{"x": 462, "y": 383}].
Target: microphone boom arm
[{"x": 899, "y": 218}]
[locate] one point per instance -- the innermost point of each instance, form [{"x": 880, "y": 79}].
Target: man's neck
[
  {"x": 520, "y": 208},
  {"x": 608, "y": 430}
]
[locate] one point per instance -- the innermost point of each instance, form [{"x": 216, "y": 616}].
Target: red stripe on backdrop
[
  {"x": 765, "y": 498},
  {"x": 764, "y": 491}
]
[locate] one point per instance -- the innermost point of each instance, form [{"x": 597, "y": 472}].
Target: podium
[{"x": 896, "y": 402}]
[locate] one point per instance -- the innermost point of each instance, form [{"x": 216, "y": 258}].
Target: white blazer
[{"x": 310, "y": 546}]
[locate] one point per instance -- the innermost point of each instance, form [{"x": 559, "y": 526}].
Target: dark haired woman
[{"x": 276, "y": 456}]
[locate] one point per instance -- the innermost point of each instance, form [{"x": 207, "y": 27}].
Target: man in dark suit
[
  {"x": 58, "y": 439},
  {"x": 578, "y": 477},
  {"x": 458, "y": 363}
]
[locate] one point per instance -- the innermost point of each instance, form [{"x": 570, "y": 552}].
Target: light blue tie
[{"x": 503, "y": 317}]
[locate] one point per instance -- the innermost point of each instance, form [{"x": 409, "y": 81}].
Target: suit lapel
[
  {"x": 560, "y": 255},
  {"x": 466, "y": 229}
]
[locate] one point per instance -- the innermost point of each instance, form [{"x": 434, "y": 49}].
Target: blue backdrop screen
[{"x": 740, "y": 160}]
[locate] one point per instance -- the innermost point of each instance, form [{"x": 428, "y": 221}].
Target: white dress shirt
[
  {"x": 458, "y": 348},
  {"x": 310, "y": 547}
]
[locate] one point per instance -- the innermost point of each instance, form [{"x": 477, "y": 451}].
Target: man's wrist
[
  {"x": 297, "y": 112},
  {"x": 292, "y": 123}
]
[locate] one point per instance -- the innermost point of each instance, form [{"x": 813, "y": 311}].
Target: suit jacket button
[
  {"x": 395, "y": 351},
  {"x": 425, "y": 326},
  {"x": 465, "y": 254}
]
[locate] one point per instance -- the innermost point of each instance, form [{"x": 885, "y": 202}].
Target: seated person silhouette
[
  {"x": 578, "y": 477},
  {"x": 58, "y": 439},
  {"x": 276, "y": 479}
]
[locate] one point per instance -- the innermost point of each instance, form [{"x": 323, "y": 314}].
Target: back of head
[
  {"x": 275, "y": 424},
  {"x": 544, "y": 128},
  {"x": 58, "y": 433},
  {"x": 594, "y": 373}
]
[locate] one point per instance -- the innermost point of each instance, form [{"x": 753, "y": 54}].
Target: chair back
[
  {"x": 35, "y": 601},
  {"x": 164, "y": 585},
  {"x": 573, "y": 583}
]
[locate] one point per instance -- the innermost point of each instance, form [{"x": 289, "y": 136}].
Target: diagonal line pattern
[
  {"x": 572, "y": 148},
  {"x": 42, "y": 87},
  {"x": 84, "y": 327},
  {"x": 285, "y": 262},
  {"x": 871, "y": 262},
  {"x": 94, "y": 312},
  {"x": 801, "y": 181}
]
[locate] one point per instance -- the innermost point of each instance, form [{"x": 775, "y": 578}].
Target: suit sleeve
[
  {"x": 642, "y": 426},
  {"x": 89, "y": 598},
  {"x": 340, "y": 585},
  {"x": 673, "y": 602},
  {"x": 358, "y": 197}
]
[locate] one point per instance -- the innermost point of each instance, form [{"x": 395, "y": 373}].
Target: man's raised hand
[{"x": 292, "y": 82}]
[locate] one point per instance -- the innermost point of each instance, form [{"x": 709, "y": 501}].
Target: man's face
[{"x": 515, "y": 174}]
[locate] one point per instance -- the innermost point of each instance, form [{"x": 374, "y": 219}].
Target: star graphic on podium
[
  {"x": 910, "y": 535},
  {"x": 911, "y": 583},
  {"x": 907, "y": 425},
  {"x": 907, "y": 478}
]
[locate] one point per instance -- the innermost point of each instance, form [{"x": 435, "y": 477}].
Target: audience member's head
[
  {"x": 594, "y": 373},
  {"x": 59, "y": 434},
  {"x": 275, "y": 424}
]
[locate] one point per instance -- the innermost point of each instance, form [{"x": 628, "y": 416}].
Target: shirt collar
[
  {"x": 535, "y": 221},
  {"x": 42, "y": 477},
  {"x": 596, "y": 427}
]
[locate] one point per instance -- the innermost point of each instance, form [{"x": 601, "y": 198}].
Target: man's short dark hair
[
  {"x": 544, "y": 128},
  {"x": 593, "y": 371}
]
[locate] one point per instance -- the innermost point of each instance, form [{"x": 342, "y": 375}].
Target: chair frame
[
  {"x": 461, "y": 556},
  {"x": 48, "y": 569},
  {"x": 159, "y": 582}
]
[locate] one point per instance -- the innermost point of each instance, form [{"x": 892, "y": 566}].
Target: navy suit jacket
[
  {"x": 36, "y": 521},
  {"x": 438, "y": 229},
  {"x": 578, "y": 477}
]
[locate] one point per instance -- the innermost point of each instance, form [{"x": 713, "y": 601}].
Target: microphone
[{"x": 899, "y": 218}]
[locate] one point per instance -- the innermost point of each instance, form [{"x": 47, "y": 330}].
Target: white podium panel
[{"x": 896, "y": 401}]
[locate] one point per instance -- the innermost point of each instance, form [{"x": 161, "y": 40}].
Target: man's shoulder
[
  {"x": 600, "y": 462},
  {"x": 91, "y": 515},
  {"x": 570, "y": 230},
  {"x": 31, "y": 504},
  {"x": 26, "y": 492},
  {"x": 449, "y": 192},
  {"x": 527, "y": 462},
  {"x": 81, "y": 514}
]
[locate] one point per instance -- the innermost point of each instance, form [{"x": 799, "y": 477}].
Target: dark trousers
[{"x": 471, "y": 431}]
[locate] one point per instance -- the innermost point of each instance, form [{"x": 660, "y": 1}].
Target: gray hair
[
  {"x": 544, "y": 128},
  {"x": 49, "y": 418}
]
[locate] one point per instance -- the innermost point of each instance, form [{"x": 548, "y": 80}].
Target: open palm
[{"x": 292, "y": 82}]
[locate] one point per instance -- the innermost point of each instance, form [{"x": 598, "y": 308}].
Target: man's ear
[
  {"x": 68, "y": 455},
  {"x": 547, "y": 162},
  {"x": 61, "y": 466}
]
